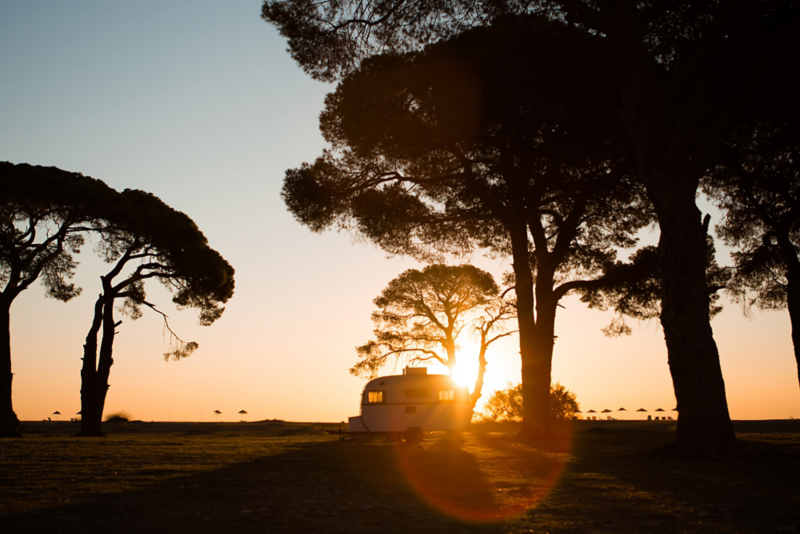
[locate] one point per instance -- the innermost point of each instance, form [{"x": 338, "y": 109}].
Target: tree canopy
[
  {"x": 757, "y": 185},
  {"x": 757, "y": 189},
  {"x": 44, "y": 212},
  {"x": 168, "y": 246},
  {"x": 328, "y": 39},
  {"x": 462, "y": 129}
]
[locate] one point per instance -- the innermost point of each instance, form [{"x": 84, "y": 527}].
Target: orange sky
[{"x": 287, "y": 356}]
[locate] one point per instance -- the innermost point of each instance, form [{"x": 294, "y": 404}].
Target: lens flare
[{"x": 484, "y": 478}]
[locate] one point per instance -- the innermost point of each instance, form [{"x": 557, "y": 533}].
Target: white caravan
[{"x": 412, "y": 403}]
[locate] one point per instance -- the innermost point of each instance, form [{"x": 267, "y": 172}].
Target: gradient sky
[{"x": 199, "y": 103}]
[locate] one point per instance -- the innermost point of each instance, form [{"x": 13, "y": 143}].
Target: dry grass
[
  {"x": 120, "y": 416},
  {"x": 293, "y": 477}
]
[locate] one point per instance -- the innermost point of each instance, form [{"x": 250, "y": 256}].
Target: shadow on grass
[
  {"x": 633, "y": 466},
  {"x": 327, "y": 486},
  {"x": 613, "y": 478}
]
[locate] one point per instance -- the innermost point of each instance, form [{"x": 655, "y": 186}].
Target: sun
[
  {"x": 466, "y": 369},
  {"x": 465, "y": 372}
]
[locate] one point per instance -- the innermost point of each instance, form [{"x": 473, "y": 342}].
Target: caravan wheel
[{"x": 414, "y": 435}]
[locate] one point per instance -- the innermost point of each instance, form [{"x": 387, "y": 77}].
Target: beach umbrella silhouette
[
  {"x": 622, "y": 410},
  {"x": 242, "y": 412},
  {"x": 217, "y": 412},
  {"x": 56, "y": 412},
  {"x": 660, "y": 409},
  {"x": 606, "y": 411},
  {"x": 591, "y": 411},
  {"x": 641, "y": 410}
]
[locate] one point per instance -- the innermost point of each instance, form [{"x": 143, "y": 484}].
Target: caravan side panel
[{"x": 430, "y": 402}]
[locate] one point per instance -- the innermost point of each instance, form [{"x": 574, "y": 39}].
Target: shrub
[
  {"x": 119, "y": 417},
  {"x": 506, "y": 404}
]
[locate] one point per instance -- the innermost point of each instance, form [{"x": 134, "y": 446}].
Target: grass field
[{"x": 294, "y": 477}]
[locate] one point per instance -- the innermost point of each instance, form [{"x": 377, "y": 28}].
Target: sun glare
[{"x": 465, "y": 372}]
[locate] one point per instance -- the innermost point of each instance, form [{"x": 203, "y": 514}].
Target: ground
[{"x": 273, "y": 476}]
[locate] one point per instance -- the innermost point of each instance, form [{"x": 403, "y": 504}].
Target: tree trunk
[
  {"x": 91, "y": 419},
  {"x": 9, "y": 423},
  {"x": 96, "y": 368},
  {"x": 450, "y": 350},
  {"x": 789, "y": 254},
  {"x": 793, "y": 303},
  {"x": 541, "y": 367},
  {"x": 477, "y": 391},
  {"x": 704, "y": 426},
  {"x": 664, "y": 140},
  {"x": 105, "y": 360},
  {"x": 536, "y": 370},
  {"x": 535, "y": 364}
]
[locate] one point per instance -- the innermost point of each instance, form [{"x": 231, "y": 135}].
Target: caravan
[{"x": 411, "y": 403}]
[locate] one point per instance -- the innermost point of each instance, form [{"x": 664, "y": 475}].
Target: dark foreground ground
[{"x": 294, "y": 477}]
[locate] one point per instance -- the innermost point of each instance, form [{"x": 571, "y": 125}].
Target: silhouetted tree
[
  {"x": 330, "y": 38},
  {"x": 687, "y": 73},
  {"x": 757, "y": 185},
  {"x": 43, "y": 213},
  {"x": 424, "y": 313},
  {"x": 507, "y": 404},
  {"x": 452, "y": 149},
  {"x": 146, "y": 239}
]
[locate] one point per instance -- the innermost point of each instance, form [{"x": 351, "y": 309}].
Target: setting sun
[
  {"x": 466, "y": 369},
  {"x": 464, "y": 373}
]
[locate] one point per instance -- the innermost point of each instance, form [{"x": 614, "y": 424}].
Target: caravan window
[
  {"x": 416, "y": 393},
  {"x": 447, "y": 395},
  {"x": 376, "y": 397}
]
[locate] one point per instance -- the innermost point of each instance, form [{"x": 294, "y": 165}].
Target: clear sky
[{"x": 198, "y": 102}]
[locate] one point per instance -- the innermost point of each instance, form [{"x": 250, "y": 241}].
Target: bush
[
  {"x": 119, "y": 417},
  {"x": 506, "y": 404}
]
